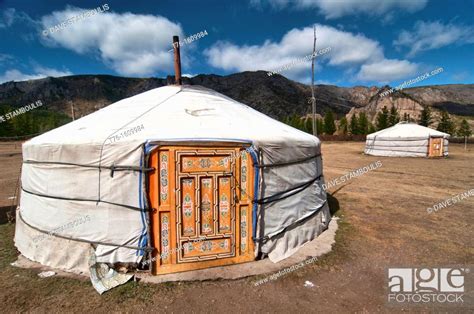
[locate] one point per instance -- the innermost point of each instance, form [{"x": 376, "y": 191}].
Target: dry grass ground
[
  {"x": 384, "y": 223},
  {"x": 10, "y": 162}
]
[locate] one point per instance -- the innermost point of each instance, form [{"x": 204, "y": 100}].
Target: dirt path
[{"x": 384, "y": 223}]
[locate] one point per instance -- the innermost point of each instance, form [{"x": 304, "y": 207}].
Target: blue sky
[{"x": 370, "y": 42}]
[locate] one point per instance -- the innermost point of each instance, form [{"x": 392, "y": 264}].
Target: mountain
[
  {"x": 457, "y": 99},
  {"x": 273, "y": 95}
]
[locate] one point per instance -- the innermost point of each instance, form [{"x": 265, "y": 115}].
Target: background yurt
[{"x": 407, "y": 140}]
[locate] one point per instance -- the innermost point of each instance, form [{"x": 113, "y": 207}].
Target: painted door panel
[
  {"x": 435, "y": 147},
  {"x": 202, "y": 200}
]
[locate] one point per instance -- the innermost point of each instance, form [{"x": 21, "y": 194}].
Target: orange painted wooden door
[
  {"x": 203, "y": 215},
  {"x": 435, "y": 147}
]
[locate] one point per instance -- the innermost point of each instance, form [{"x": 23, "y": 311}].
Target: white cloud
[
  {"x": 16, "y": 75},
  {"x": 461, "y": 76},
  {"x": 332, "y": 9},
  {"x": 9, "y": 16},
  {"x": 131, "y": 44},
  {"x": 4, "y": 58},
  {"x": 433, "y": 35},
  {"x": 387, "y": 70},
  {"x": 39, "y": 72},
  {"x": 348, "y": 50}
]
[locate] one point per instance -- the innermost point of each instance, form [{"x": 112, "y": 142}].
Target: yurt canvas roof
[
  {"x": 407, "y": 130},
  {"x": 175, "y": 112}
]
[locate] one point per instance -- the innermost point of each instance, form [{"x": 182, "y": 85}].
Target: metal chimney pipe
[{"x": 177, "y": 61}]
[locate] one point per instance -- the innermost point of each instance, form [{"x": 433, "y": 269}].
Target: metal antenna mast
[
  {"x": 313, "y": 99},
  {"x": 73, "y": 113}
]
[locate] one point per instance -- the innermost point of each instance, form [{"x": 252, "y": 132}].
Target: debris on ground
[
  {"x": 308, "y": 284},
  {"x": 46, "y": 274},
  {"x": 15, "y": 264}
]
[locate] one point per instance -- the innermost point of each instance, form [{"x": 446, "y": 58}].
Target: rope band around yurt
[
  {"x": 80, "y": 200},
  {"x": 281, "y": 195},
  {"x": 112, "y": 168},
  {"x": 267, "y": 238},
  {"x": 83, "y": 240},
  {"x": 288, "y": 163}
]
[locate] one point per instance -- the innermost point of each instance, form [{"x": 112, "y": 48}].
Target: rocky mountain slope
[
  {"x": 273, "y": 95},
  {"x": 458, "y": 100}
]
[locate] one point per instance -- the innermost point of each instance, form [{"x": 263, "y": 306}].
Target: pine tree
[
  {"x": 363, "y": 123},
  {"x": 354, "y": 125},
  {"x": 299, "y": 123},
  {"x": 343, "y": 127},
  {"x": 295, "y": 121},
  {"x": 393, "y": 118},
  {"x": 292, "y": 120},
  {"x": 382, "y": 119},
  {"x": 329, "y": 124},
  {"x": 23, "y": 124},
  {"x": 371, "y": 128},
  {"x": 55, "y": 121},
  {"x": 425, "y": 118},
  {"x": 320, "y": 126},
  {"x": 6, "y": 126},
  {"x": 308, "y": 125},
  {"x": 36, "y": 121},
  {"x": 445, "y": 124},
  {"x": 464, "y": 131}
]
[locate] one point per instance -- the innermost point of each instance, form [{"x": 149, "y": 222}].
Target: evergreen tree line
[
  {"x": 359, "y": 124},
  {"x": 327, "y": 125},
  {"x": 36, "y": 121}
]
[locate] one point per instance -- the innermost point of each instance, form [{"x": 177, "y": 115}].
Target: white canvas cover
[
  {"x": 64, "y": 191},
  {"x": 404, "y": 140}
]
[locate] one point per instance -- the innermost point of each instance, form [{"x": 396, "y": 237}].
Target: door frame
[
  {"x": 430, "y": 150},
  {"x": 169, "y": 263}
]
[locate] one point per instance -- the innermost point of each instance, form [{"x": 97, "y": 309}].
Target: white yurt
[
  {"x": 182, "y": 176},
  {"x": 407, "y": 140}
]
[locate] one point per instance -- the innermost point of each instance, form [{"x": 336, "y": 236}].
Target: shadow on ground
[
  {"x": 333, "y": 204},
  {"x": 7, "y": 214}
]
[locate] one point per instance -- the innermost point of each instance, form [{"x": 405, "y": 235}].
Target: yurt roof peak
[{"x": 406, "y": 130}]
